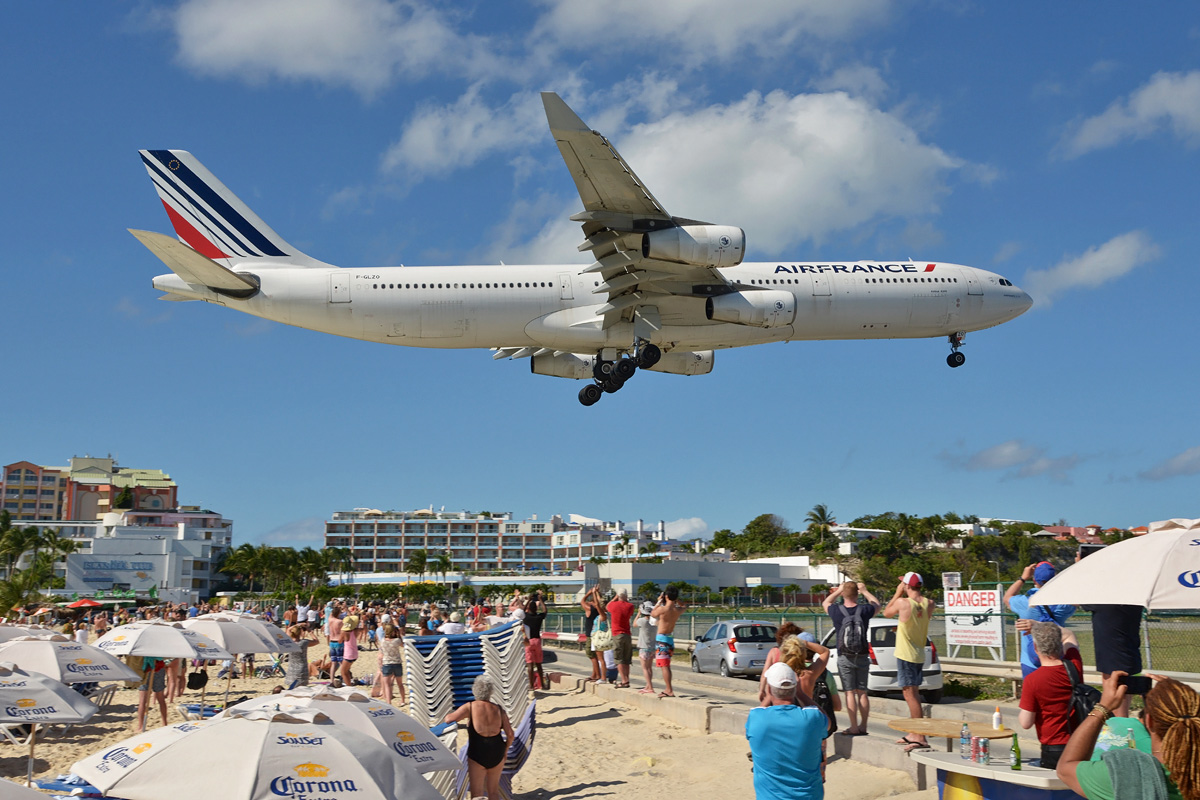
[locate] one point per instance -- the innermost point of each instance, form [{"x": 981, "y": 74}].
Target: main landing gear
[
  {"x": 610, "y": 376},
  {"x": 956, "y": 359}
]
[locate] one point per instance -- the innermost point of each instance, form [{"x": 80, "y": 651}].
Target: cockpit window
[{"x": 1004, "y": 282}]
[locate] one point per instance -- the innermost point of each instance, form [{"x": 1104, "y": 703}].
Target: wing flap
[{"x": 195, "y": 268}]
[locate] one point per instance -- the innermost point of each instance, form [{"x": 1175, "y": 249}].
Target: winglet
[{"x": 560, "y": 116}]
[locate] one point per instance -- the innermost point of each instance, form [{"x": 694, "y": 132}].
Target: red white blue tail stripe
[{"x": 208, "y": 217}]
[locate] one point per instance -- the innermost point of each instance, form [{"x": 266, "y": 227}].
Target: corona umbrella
[
  {"x": 233, "y": 635},
  {"x": 1159, "y": 570},
  {"x": 160, "y": 640},
  {"x": 29, "y": 698},
  {"x": 65, "y": 660},
  {"x": 404, "y": 735},
  {"x": 254, "y": 755}
]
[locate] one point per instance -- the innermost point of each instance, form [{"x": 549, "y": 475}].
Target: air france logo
[{"x": 1191, "y": 580}]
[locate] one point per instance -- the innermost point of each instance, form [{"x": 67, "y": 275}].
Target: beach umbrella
[
  {"x": 8, "y": 631},
  {"x": 406, "y": 737},
  {"x": 29, "y": 698},
  {"x": 15, "y": 791},
  {"x": 254, "y": 755},
  {"x": 259, "y": 625},
  {"x": 84, "y": 602},
  {"x": 65, "y": 660},
  {"x": 160, "y": 640},
  {"x": 236, "y": 636},
  {"x": 1158, "y": 571}
]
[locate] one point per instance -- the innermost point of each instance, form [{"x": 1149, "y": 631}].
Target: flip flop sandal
[{"x": 916, "y": 746}]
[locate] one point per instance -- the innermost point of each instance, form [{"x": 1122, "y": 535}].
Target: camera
[{"x": 1136, "y": 684}]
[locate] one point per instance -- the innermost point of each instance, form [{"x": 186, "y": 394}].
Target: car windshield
[
  {"x": 885, "y": 636},
  {"x": 754, "y": 633}
]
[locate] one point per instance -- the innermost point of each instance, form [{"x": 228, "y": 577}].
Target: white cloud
[
  {"x": 439, "y": 139},
  {"x": 1168, "y": 101},
  {"x": 858, "y": 80},
  {"x": 1007, "y": 251},
  {"x": 1186, "y": 463},
  {"x": 699, "y": 31},
  {"x": 362, "y": 44},
  {"x": 687, "y": 528},
  {"x": 1003, "y": 456},
  {"x": 1096, "y": 267},
  {"x": 1018, "y": 459},
  {"x": 307, "y": 532}
]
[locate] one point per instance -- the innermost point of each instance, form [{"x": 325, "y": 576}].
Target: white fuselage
[{"x": 553, "y": 306}]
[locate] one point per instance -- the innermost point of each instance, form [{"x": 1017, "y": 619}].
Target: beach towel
[{"x": 1135, "y": 775}]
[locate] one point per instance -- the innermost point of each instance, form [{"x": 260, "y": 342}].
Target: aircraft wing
[{"x": 618, "y": 211}]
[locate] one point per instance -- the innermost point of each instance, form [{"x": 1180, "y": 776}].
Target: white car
[{"x": 881, "y": 675}]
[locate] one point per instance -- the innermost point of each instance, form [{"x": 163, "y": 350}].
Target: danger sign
[{"x": 973, "y": 618}]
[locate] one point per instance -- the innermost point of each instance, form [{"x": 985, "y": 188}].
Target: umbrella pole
[
  {"x": 228, "y": 681},
  {"x": 32, "y": 741}
]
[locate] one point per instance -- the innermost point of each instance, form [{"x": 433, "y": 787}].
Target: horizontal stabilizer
[{"x": 195, "y": 268}]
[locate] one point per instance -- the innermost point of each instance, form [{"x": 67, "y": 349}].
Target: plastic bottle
[
  {"x": 997, "y": 720},
  {"x": 1130, "y": 742},
  {"x": 1014, "y": 756},
  {"x": 964, "y": 741}
]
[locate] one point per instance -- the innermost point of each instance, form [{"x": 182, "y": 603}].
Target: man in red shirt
[
  {"x": 1046, "y": 692},
  {"x": 620, "y": 611}
]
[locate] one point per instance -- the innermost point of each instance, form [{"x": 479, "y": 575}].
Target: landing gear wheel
[
  {"x": 648, "y": 356},
  {"x": 611, "y": 385},
  {"x": 956, "y": 359},
  {"x": 624, "y": 369},
  {"x": 695, "y": 664},
  {"x": 602, "y": 369},
  {"x": 590, "y": 394}
]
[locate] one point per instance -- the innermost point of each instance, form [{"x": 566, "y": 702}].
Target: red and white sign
[{"x": 973, "y": 618}]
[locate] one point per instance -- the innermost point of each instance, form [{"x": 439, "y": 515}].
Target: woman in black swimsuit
[
  {"x": 593, "y": 609},
  {"x": 486, "y": 748}
]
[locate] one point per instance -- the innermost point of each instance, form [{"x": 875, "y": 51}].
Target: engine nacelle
[
  {"x": 698, "y": 245},
  {"x": 563, "y": 365},
  {"x": 699, "y": 362},
  {"x": 766, "y": 309}
]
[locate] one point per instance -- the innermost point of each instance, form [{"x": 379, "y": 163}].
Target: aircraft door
[
  {"x": 973, "y": 284},
  {"x": 566, "y": 291},
  {"x": 820, "y": 285},
  {"x": 339, "y": 287}
]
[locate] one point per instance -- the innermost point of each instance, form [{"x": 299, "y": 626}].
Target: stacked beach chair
[{"x": 438, "y": 673}]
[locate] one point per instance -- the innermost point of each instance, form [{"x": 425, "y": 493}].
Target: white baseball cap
[{"x": 781, "y": 676}]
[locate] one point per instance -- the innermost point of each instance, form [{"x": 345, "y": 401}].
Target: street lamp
[{"x": 997, "y": 563}]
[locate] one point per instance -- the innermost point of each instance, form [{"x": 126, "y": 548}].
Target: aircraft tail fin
[{"x": 211, "y": 219}]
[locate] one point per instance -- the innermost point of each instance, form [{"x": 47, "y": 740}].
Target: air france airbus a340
[{"x": 662, "y": 294}]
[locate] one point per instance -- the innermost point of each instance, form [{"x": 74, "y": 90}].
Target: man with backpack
[{"x": 852, "y": 620}]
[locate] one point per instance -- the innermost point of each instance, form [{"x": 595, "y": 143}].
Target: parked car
[
  {"x": 736, "y": 647},
  {"x": 881, "y": 675}
]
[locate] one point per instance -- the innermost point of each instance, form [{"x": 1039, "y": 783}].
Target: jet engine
[
  {"x": 699, "y": 362},
  {"x": 698, "y": 245},
  {"x": 563, "y": 365},
  {"x": 766, "y": 309}
]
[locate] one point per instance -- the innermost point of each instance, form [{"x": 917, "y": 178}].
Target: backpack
[
  {"x": 824, "y": 700},
  {"x": 1083, "y": 697},
  {"x": 852, "y": 636}
]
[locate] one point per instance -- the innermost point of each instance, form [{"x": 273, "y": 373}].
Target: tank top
[
  {"x": 911, "y": 635},
  {"x": 589, "y": 619}
]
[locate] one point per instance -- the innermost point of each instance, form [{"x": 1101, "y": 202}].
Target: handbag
[
  {"x": 1083, "y": 697},
  {"x": 197, "y": 679},
  {"x": 601, "y": 638}
]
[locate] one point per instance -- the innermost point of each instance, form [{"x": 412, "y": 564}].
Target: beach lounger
[
  {"x": 76, "y": 789},
  {"x": 17, "y": 734},
  {"x": 104, "y": 695}
]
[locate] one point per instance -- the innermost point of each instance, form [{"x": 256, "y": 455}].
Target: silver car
[
  {"x": 881, "y": 675},
  {"x": 736, "y": 647}
]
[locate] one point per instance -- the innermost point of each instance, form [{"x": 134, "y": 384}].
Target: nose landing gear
[{"x": 956, "y": 359}]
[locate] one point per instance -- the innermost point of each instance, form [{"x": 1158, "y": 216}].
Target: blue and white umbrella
[
  {"x": 31, "y": 698},
  {"x": 65, "y": 660}
]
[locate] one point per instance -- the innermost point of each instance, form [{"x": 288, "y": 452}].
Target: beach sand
[{"x": 583, "y": 748}]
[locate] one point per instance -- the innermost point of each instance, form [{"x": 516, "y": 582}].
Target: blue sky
[{"x": 1056, "y": 144}]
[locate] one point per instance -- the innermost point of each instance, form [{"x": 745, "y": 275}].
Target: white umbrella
[
  {"x": 159, "y": 640},
  {"x": 1158, "y": 571},
  {"x": 254, "y": 755},
  {"x": 27, "y": 698},
  {"x": 65, "y": 660},
  {"x": 235, "y": 636},
  {"x": 261, "y": 627},
  {"x": 403, "y": 734},
  {"x": 14, "y": 632}
]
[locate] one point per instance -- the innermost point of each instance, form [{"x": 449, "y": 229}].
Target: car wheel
[
  {"x": 724, "y": 668},
  {"x": 932, "y": 695},
  {"x": 695, "y": 664}
]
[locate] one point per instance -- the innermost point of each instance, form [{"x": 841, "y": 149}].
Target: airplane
[{"x": 662, "y": 294}]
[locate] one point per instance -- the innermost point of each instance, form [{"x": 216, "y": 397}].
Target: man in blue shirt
[
  {"x": 785, "y": 742},
  {"x": 1019, "y": 604}
]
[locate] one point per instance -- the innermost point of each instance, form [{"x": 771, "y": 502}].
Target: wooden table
[{"x": 948, "y": 729}]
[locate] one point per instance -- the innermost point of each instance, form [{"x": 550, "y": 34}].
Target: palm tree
[
  {"x": 624, "y": 547},
  {"x": 651, "y": 548},
  {"x": 704, "y": 590},
  {"x": 443, "y": 563},
  {"x": 418, "y": 562},
  {"x": 820, "y": 520},
  {"x": 793, "y": 589}
]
